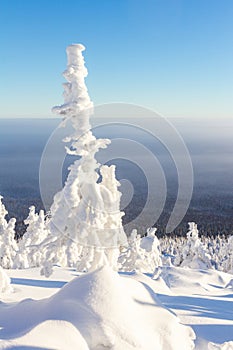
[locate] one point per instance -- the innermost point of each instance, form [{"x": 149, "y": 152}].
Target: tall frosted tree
[{"x": 86, "y": 212}]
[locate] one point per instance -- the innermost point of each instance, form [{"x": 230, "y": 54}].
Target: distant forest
[
  {"x": 22, "y": 142},
  {"x": 213, "y": 215}
]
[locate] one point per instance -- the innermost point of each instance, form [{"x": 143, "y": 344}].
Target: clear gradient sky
[{"x": 175, "y": 56}]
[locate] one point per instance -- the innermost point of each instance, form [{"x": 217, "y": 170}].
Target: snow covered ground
[{"x": 107, "y": 310}]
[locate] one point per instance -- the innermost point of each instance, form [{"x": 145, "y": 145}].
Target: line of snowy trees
[
  {"x": 144, "y": 254},
  {"x": 38, "y": 245},
  {"x": 199, "y": 252}
]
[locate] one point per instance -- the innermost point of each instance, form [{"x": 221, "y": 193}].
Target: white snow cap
[
  {"x": 76, "y": 98},
  {"x": 73, "y": 51}
]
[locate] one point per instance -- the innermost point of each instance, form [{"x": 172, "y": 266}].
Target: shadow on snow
[{"x": 38, "y": 283}]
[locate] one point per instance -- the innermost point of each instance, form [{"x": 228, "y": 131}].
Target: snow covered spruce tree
[
  {"x": 85, "y": 223},
  {"x": 194, "y": 253},
  {"x": 227, "y": 256},
  {"x": 29, "y": 253},
  {"x": 3, "y": 213},
  {"x": 8, "y": 245},
  {"x": 142, "y": 254}
]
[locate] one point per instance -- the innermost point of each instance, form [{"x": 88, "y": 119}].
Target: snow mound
[
  {"x": 224, "y": 346},
  {"x": 155, "y": 283},
  {"x": 185, "y": 279},
  {"x": 5, "y": 282},
  {"x": 100, "y": 309},
  {"x": 46, "y": 336}
]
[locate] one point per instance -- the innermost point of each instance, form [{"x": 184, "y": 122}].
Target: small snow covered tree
[
  {"x": 128, "y": 258},
  {"x": 143, "y": 254},
  {"x": 194, "y": 253},
  {"x": 30, "y": 253},
  {"x": 5, "y": 282},
  {"x": 9, "y": 246},
  {"x": 152, "y": 254},
  {"x": 3, "y": 213},
  {"x": 227, "y": 259},
  {"x": 3, "y": 225},
  {"x": 86, "y": 212}
]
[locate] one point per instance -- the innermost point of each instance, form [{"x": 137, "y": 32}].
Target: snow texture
[
  {"x": 99, "y": 310},
  {"x": 103, "y": 308}
]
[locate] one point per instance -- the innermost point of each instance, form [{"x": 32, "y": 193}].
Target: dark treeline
[
  {"x": 217, "y": 221},
  {"x": 22, "y": 142}
]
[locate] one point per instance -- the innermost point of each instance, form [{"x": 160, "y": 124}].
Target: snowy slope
[
  {"x": 98, "y": 310},
  {"x": 105, "y": 310}
]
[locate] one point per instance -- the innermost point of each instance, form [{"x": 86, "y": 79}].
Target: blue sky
[{"x": 170, "y": 55}]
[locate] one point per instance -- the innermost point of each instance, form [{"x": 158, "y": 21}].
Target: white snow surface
[
  {"x": 107, "y": 310},
  {"x": 5, "y": 281}
]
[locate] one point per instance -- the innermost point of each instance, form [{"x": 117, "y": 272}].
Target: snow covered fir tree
[
  {"x": 8, "y": 245},
  {"x": 85, "y": 215},
  {"x": 194, "y": 253}
]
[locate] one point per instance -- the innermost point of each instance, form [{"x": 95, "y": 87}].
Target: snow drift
[{"x": 99, "y": 310}]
